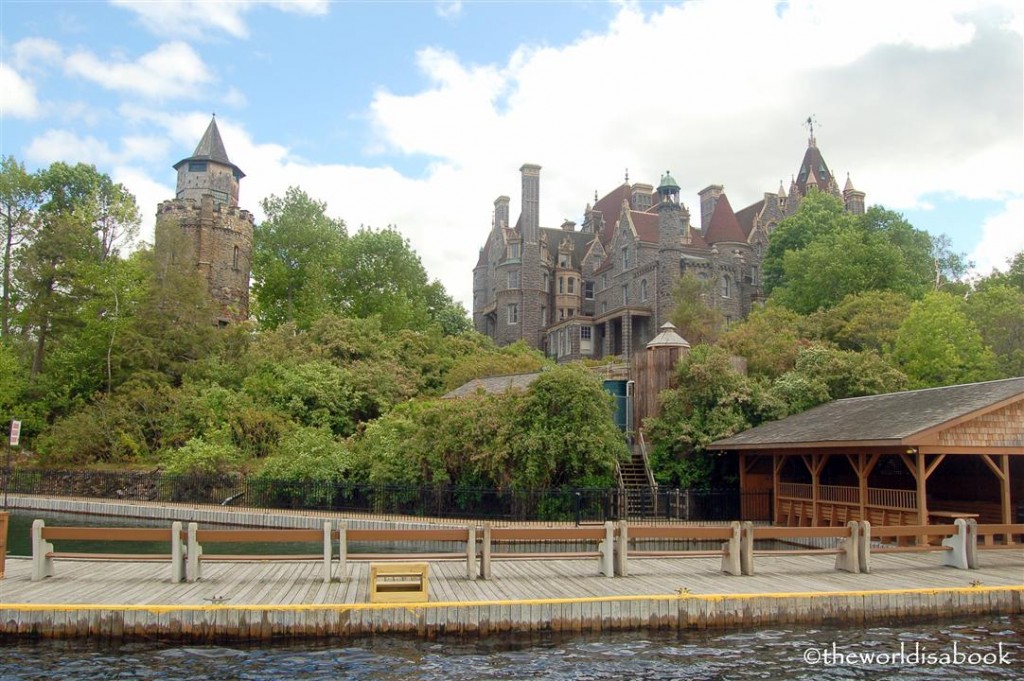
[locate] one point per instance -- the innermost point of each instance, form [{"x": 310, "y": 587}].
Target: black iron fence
[{"x": 580, "y": 505}]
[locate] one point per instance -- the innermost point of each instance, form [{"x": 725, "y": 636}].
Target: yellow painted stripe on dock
[{"x": 313, "y": 607}]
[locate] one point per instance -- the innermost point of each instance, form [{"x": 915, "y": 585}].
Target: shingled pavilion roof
[
  {"x": 904, "y": 418},
  {"x": 494, "y": 385}
]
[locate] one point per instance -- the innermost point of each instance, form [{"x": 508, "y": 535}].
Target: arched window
[
  {"x": 726, "y": 286},
  {"x": 643, "y": 290},
  {"x": 234, "y": 258}
]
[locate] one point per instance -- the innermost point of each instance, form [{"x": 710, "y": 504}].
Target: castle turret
[
  {"x": 853, "y": 199},
  {"x": 217, "y": 234},
  {"x": 208, "y": 171}
]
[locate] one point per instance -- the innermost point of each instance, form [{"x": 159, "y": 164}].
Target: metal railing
[{"x": 579, "y": 505}]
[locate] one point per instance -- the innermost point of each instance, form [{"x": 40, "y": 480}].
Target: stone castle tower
[{"x": 217, "y": 233}]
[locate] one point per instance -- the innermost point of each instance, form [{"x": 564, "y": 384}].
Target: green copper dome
[{"x": 668, "y": 182}]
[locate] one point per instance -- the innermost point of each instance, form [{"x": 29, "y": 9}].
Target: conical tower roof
[
  {"x": 211, "y": 148},
  {"x": 668, "y": 338}
]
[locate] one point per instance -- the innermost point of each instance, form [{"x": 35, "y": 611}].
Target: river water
[{"x": 990, "y": 648}]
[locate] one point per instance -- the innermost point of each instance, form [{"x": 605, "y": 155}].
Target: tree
[
  {"x": 695, "y": 320},
  {"x": 948, "y": 267},
  {"x": 865, "y": 321},
  {"x": 938, "y": 345},
  {"x": 822, "y": 254},
  {"x": 171, "y": 328},
  {"x": 79, "y": 224},
  {"x": 20, "y": 196},
  {"x": 383, "y": 276},
  {"x": 1012, "y": 277},
  {"x": 562, "y": 432},
  {"x": 711, "y": 401},
  {"x": 769, "y": 339},
  {"x": 819, "y": 214},
  {"x": 997, "y": 310},
  {"x": 298, "y": 261}
]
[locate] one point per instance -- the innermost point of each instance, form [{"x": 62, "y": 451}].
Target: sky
[{"x": 419, "y": 114}]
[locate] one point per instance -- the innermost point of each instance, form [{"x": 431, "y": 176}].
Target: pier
[
  {"x": 286, "y": 600},
  {"x": 263, "y": 600}
]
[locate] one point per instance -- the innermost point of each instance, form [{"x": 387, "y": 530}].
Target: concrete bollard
[
  {"x": 178, "y": 568},
  {"x": 485, "y": 553},
  {"x": 342, "y": 551},
  {"x": 957, "y": 557},
  {"x": 972, "y": 543},
  {"x": 731, "y": 552},
  {"x": 471, "y": 553},
  {"x": 328, "y": 553},
  {"x": 194, "y": 571},
  {"x": 42, "y": 563},
  {"x": 864, "y": 554},
  {"x": 747, "y": 548},
  {"x": 622, "y": 550},
  {"x": 848, "y": 559}
]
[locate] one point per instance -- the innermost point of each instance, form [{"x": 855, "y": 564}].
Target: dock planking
[{"x": 285, "y": 599}]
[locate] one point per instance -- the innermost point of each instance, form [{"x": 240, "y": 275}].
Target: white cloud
[
  {"x": 197, "y": 18},
  {"x": 70, "y": 147},
  {"x": 448, "y": 9},
  {"x": 171, "y": 70},
  {"x": 1001, "y": 237},
  {"x": 32, "y": 53},
  {"x": 235, "y": 98},
  {"x": 148, "y": 195},
  {"x": 18, "y": 98}
]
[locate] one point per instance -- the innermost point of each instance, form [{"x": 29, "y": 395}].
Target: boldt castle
[{"x": 605, "y": 288}]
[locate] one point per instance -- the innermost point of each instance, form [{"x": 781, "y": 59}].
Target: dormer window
[{"x": 514, "y": 250}]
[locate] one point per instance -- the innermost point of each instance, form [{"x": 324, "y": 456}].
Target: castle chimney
[{"x": 531, "y": 202}]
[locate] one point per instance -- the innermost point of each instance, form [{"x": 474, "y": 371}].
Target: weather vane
[{"x": 811, "y": 120}]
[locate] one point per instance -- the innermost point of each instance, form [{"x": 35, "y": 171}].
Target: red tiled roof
[
  {"x": 746, "y": 217},
  {"x": 610, "y": 206},
  {"x": 646, "y": 225},
  {"x": 697, "y": 240},
  {"x": 724, "y": 225}
]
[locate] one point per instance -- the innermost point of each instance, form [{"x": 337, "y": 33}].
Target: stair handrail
[{"x": 647, "y": 463}]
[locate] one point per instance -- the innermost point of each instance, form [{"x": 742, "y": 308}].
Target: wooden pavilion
[{"x": 910, "y": 458}]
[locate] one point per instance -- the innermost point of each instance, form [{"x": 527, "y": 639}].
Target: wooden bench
[
  {"x": 990, "y": 531},
  {"x": 729, "y": 535},
  {"x": 604, "y": 537},
  {"x": 957, "y": 546},
  {"x": 847, "y": 553},
  {"x": 398, "y": 582},
  {"x": 464, "y": 535},
  {"x": 44, "y": 553},
  {"x": 198, "y": 537}
]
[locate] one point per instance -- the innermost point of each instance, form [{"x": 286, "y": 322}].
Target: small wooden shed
[{"x": 913, "y": 458}]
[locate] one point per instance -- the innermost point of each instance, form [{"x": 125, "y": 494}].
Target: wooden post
[
  {"x": 777, "y": 485},
  {"x": 1004, "y": 493},
  {"x": 3, "y": 541},
  {"x": 922, "y": 493},
  {"x": 743, "y": 480}
]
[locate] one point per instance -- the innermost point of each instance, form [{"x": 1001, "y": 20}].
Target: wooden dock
[{"x": 283, "y": 599}]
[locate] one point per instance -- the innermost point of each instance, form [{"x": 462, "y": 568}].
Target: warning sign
[{"x": 15, "y": 432}]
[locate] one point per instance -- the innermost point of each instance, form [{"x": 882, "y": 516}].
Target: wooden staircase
[{"x": 636, "y": 484}]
